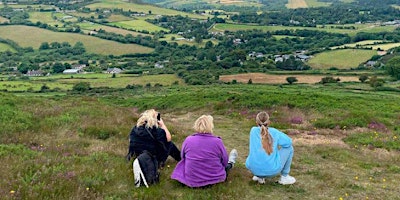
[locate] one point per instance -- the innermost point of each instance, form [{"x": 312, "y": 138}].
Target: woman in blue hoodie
[{"x": 270, "y": 152}]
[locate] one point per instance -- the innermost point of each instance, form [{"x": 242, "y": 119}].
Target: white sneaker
[
  {"x": 260, "y": 180},
  {"x": 287, "y": 180},
  {"x": 232, "y": 156}
]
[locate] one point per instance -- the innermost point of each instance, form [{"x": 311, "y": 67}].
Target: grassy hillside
[
  {"x": 138, "y": 25},
  {"x": 73, "y": 147},
  {"x": 37, "y": 36},
  {"x": 146, "y": 8},
  {"x": 341, "y": 59},
  {"x": 359, "y": 28},
  {"x": 5, "y": 47}
]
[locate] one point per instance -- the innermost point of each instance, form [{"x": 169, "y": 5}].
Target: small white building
[{"x": 72, "y": 71}]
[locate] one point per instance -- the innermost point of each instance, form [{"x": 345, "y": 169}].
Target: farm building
[
  {"x": 113, "y": 70},
  {"x": 72, "y": 71}
]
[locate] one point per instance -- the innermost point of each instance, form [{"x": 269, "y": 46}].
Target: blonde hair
[
  {"x": 262, "y": 120},
  {"x": 204, "y": 124},
  {"x": 148, "y": 118}
]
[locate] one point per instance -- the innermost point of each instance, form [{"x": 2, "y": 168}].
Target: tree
[
  {"x": 291, "y": 79},
  {"x": 81, "y": 87},
  {"x": 393, "y": 67},
  {"x": 363, "y": 78},
  {"x": 44, "y": 46},
  {"x": 58, "y": 67}
]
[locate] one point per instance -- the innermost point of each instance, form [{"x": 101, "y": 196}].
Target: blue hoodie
[{"x": 258, "y": 161}]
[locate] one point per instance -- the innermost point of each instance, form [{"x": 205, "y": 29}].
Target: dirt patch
[{"x": 280, "y": 79}]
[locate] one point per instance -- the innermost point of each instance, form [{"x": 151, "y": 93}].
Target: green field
[
  {"x": 86, "y": 27},
  {"x": 63, "y": 82},
  {"x": 139, "y": 25},
  {"x": 359, "y": 28},
  {"x": 385, "y": 47},
  {"x": 109, "y": 4},
  {"x": 316, "y": 3},
  {"x": 44, "y": 17},
  {"x": 5, "y": 47},
  {"x": 341, "y": 59},
  {"x": 73, "y": 146},
  {"x": 37, "y": 36}
]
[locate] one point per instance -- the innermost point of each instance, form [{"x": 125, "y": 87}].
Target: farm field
[
  {"x": 5, "y": 47},
  {"x": 138, "y": 25},
  {"x": 385, "y": 47},
  {"x": 359, "y": 28},
  {"x": 37, "y": 36},
  {"x": 45, "y": 17},
  {"x": 64, "y": 82},
  {"x": 73, "y": 146},
  {"x": 361, "y": 43},
  {"x": 341, "y": 59},
  {"x": 293, "y": 4},
  {"x": 109, "y": 4},
  {"x": 89, "y": 26},
  {"x": 281, "y": 79},
  {"x": 3, "y": 20}
]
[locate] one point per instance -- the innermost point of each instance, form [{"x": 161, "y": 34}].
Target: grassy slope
[
  {"x": 6, "y": 47},
  {"x": 53, "y": 153},
  {"x": 108, "y": 4},
  {"x": 139, "y": 25},
  {"x": 359, "y": 28},
  {"x": 37, "y": 36},
  {"x": 341, "y": 59}
]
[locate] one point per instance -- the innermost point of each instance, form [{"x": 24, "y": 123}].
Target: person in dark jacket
[{"x": 152, "y": 134}]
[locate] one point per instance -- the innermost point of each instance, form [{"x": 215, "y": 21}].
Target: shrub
[
  {"x": 81, "y": 87},
  {"x": 329, "y": 79},
  {"x": 291, "y": 79},
  {"x": 363, "y": 78}
]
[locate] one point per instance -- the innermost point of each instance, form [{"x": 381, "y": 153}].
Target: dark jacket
[{"x": 140, "y": 140}]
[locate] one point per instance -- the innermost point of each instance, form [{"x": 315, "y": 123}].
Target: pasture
[
  {"x": 3, "y": 20},
  {"x": 89, "y": 26},
  {"x": 359, "y": 28},
  {"x": 65, "y": 82},
  {"x": 341, "y": 59},
  {"x": 45, "y": 17},
  {"x": 361, "y": 43},
  {"x": 37, "y": 36},
  {"x": 146, "y": 8},
  {"x": 5, "y": 47},
  {"x": 293, "y": 4},
  {"x": 73, "y": 146},
  {"x": 281, "y": 79},
  {"x": 139, "y": 25}
]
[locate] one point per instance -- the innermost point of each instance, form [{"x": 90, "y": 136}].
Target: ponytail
[
  {"x": 266, "y": 140},
  {"x": 262, "y": 120}
]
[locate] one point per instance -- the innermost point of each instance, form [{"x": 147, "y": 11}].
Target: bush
[
  {"x": 291, "y": 79},
  {"x": 363, "y": 78},
  {"x": 329, "y": 79},
  {"x": 81, "y": 87}
]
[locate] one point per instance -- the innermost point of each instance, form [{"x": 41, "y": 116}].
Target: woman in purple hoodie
[{"x": 204, "y": 157}]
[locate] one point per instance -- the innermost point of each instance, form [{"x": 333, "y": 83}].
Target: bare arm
[{"x": 167, "y": 133}]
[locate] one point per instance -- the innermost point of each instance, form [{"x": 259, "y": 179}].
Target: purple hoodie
[{"x": 204, "y": 158}]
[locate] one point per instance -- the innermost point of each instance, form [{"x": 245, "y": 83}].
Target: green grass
[
  {"x": 62, "y": 82},
  {"x": 139, "y": 25},
  {"x": 73, "y": 147},
  {"x": 6, "y": 47},
  {"x": 37, "y": 36},
  {"x": 109, "y": 4},
  {"x": 341, "y": 59},
  {"x": 316, "y": 3},
  {"x": 89, "y": 26},
  {"x": 371, "y": 28}
]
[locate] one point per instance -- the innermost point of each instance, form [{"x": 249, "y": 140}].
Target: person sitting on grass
[
  {"x": 152, "y": 135},
  {"x": 204, "y": 161},
  {"x": 270, "y": 152}
]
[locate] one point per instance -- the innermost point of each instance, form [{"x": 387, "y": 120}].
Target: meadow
[
  {"x": 5, "y": 47},
  {"x": 281, "y": 79},
  {"x": 146, "y": 8},
  {"x": 63, "y": 83},
  {"x": 73, "y": 146},
  {"x": 359, "y": 28},
  {"x": 89, "y": 26},
  {"x": 340, "y": 59},
  {"x": 37, "y": 36},
  {"x": 139, "y": 25}
]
